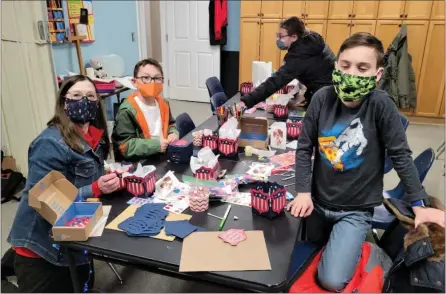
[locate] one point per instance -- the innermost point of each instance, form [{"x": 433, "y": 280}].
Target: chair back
[
  {"x": 184, "y": 124},
  {"x": 218, "y": 100},
  {"x": 423, "y": 163},
  {"x": 214, "y": 86}
]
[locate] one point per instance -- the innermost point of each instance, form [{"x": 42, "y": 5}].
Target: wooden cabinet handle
[
  {"x": 353, "y": 25},
  {"x": 353, "y": 15},
  {"x": 406, "y": 15},
  {"x": 348, "y": 24},
  {"x": 401, "y": 15},
  {"x": 399, "y": 25},
  {"x": 349, "y": 15}
]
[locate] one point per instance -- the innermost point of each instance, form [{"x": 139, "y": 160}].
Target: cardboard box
[
  {"x": 254, "y": 132},
  {"x": 53, "y": 198}
]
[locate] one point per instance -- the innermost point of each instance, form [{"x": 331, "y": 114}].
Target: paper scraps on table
[
  {"x": 285, "y": 159},
  {"x": 180, "y": 229},
  {"x": 177, "y": 207},
  {"x": 239, "y": 198},
  {"x": 147, "y": 221},
  {"x": 140, "y": 201},
  {"x": 233, "y": 236},
  {"x": 100, "y": 225},
  {"x": 292, "y": 145}
]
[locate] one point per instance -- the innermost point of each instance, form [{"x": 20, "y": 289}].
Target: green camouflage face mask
[{"x": 352, "y": 88}]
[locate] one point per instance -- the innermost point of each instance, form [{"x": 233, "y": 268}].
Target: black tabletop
[{"x": 280, "y": 233}]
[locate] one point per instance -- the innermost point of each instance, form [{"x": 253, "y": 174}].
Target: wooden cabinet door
[
  {"x": 441, "y": 112},
  {"x": 438, "y": 10},
  {"x": 316, "y": 9},
  {"x": 386, "y": 31},
  {"x": 420, "y": 9},
  {"x": 318, "y": 26},
  {"x": 389, "y": 9},
  {"x": 365, "y": 9},
  {"x": 337, "y": 32},
  {"x": 416, "y": 40},
  {"x": 268, "y": 48},
  {"x": 271, "y": 9},
  {"x": 339, "y": 9},
  {"x": 431, "y": 86},
  {"x": 249, "y": 46},
  {"x": 366, "y": 26},
  {"x": 250, "y": 8},
  {"x": 293, "y": 8}
]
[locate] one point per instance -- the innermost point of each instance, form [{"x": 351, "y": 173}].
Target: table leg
[
  {"x": 118, "y": 95},
  {"x": 73, "y": 271}
]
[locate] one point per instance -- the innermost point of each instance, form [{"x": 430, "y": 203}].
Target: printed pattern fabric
[
  {"x": 342, "y": 146},
  {"x": 280, "y": 111},
  {"x": 122, "y": 182},
  {"x": 293, "y": 129},
  {"x": 138, "y": 186},
  {"x": 205, "y": 173},
  {"x": 227, "y": 146},
  {"x": 210, "y": 141},
  {"x": 260, "y": 201},
  {"x": 272, "y": 202},
  {"x": 351, "y": 87}
]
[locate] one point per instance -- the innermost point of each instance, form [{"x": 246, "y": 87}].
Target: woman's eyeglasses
[
  {"x": 278, "y": 35},
  {"x": 79, "y": 95},
  {"x": 147, "y": 79}
]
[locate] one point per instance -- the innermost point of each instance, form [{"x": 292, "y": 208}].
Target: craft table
[{"x": 163, "y": 257}]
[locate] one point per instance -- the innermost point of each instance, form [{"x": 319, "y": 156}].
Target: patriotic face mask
[{"x": 82, "y": 110}]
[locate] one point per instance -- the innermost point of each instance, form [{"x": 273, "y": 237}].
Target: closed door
[
  {"x": 318, "y": 26},
  {"x": 337, "y": 32},
  {"x": 28, "y": 79},
  {"x": 416, "y": 41},
  {"x": 389, "y": 9},
  {"x": 268, "y": 48},
  {"x": 363, "y": 26},
  {"x": 418, "y": 9},
  {"x": 191, "y": 58},
  {"x": 316, "y": 9},
  {"x": 431, "y": 86},
  {"x": 365, "y": 9},
  {"x": 437, "y": 10},
  {"x": 339, "y": 9},
  {"x": 293, "y": 8},
  {"x": 271, "y": 9},
  {"x": 249, "y": 47},
  {"x": 386, "y": 31},
  {"x": 250, "y": 8}
]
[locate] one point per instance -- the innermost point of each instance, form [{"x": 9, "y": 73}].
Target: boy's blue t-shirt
[{"x": 350, "y": 146}]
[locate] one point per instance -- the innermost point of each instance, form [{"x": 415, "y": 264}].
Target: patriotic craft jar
[
  {"x": 268, "y": 199},
  {"x": 199, "y": 199},
  {"x": 228, "y": 147},
  {"x": 280, "y": 111},
  {"x": 211, "y": 141},
  {"x": 246, "y": 88},
  {"x": 119, "y": 169},
  {"x": 206, "y": 173},
  {"x": 141, "y": 183},
  {"x": 293, "y": 128},
  {"x": 180, "y": 151}
]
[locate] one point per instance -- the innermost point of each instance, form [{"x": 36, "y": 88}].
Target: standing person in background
[
  {"x": 75, "y": 143},
  {"x": 309, "y": 60}
]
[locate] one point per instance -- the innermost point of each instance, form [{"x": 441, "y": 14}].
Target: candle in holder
[{"x": 248, "y": 151}]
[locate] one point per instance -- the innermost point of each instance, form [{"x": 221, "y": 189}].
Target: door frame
[
  {"x": 141, "y": 29},
  {"x": 165, "y": 48}
]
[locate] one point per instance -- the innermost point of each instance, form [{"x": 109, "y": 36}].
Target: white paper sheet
[
  {"x": 292, "y": 145},
  {"x": 99, "y": 228}
]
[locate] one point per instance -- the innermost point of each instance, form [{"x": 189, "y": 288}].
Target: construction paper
[
  {"x": 180, "y": 229},
  {"x": 130, "y": 211},
  {"x": 204, "y": 251},
  {"x": 233, "y": 236}
]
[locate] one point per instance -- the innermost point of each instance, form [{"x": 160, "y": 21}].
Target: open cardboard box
[
  {"x": 53, "y": 198},
  {"x": 254, "y": 132}
]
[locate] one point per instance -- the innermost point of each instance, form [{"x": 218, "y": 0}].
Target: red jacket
[{"x": 218, "y": 20}]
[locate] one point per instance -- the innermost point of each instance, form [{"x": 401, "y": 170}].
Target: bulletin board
[{"x": 76, "y": 28}]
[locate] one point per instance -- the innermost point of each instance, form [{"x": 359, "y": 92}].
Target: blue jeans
[{"x": 345, "y": 232}]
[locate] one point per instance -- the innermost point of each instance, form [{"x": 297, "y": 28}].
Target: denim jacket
[{"x": 46, "y": 153}]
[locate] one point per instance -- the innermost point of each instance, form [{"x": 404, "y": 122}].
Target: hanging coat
[
  {"x": 218, "y": 22},
  {"x": 399, "y": 78}
]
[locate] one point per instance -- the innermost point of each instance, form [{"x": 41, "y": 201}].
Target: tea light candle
[{"x": 248, "y": 151}]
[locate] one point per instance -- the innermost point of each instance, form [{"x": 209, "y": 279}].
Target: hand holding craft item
[
  {"x": 119, "y": 168},
  {"x": 198, "y": 199},
  {"x": 197, "y": 138},
  {"x": 180, "y": 151},
  {"x": 233, "y": 236},
  {"x": 141, "y": 181},
  {"x": 205, "y": 165},
  {"x": 210, "y": 140},
  {"x": 268, "y": 199},
  {"x": 228, "y": 138},
  {"x": 278, "y": 135},
  {"x": 293, "y": 128}
]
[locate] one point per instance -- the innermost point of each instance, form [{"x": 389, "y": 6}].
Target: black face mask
[{"x": 82, "y": 110}]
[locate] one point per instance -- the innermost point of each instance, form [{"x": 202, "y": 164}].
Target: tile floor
[{"x": 420, "y": 137}]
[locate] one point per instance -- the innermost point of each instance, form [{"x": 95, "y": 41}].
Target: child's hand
[
  {"x": 428, "y": 215},
  {"x": 301, "y": 206},
  {"x": 108, "y": 183},
  {"x": 163, "y": 144},
  {"x": 172, "y": 138}
]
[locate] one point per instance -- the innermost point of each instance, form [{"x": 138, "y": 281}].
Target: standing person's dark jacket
[{"x": 309, "y": 60}]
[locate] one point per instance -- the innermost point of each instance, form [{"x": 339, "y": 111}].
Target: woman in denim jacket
[{"x": 75, "y": 143}]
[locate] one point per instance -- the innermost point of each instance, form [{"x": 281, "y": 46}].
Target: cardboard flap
[{"x": 52, "y": 195}]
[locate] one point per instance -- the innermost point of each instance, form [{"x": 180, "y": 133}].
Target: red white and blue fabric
[
  {"x": 210, "y": 141},
  {"x": 78, "y": 222},
  {"x": 293, "y": 129},
  {"x": 135, "y": 185},
  {"x": 260, "y": 200},
  {"x": 205, "y": 173},
  {"x": 227, "y": 146},
  {"x": 280, "y": 110},
  {"x": 278, "y": 199},
  {"x": 150, "y": 182}
]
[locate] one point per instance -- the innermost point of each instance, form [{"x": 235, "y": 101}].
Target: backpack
[{"x": 11, "y": 182}]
